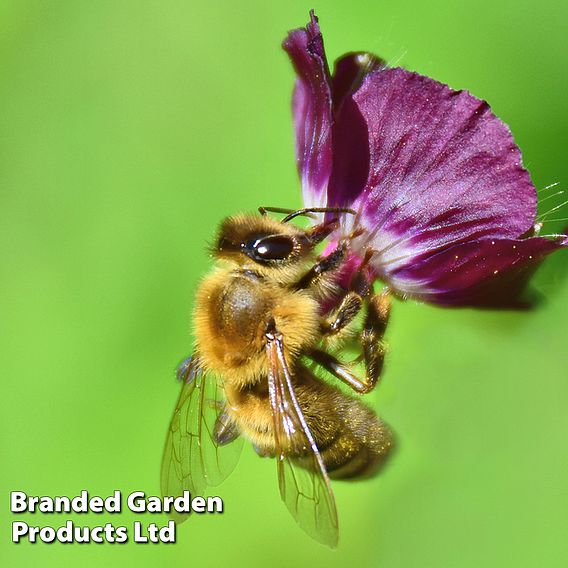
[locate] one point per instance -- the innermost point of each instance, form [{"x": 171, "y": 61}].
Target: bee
[{"x": 261, "y": 329}]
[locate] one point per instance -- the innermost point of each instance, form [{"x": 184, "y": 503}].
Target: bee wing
[
  {"x": 193, "y": 459},
  {"x": 306, "y": 490}
]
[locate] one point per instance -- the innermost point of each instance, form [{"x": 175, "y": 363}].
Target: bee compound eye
[{"x": 274, "y": 247}]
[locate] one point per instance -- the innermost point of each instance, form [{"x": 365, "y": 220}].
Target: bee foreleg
[{"x": 325, "y": 265}]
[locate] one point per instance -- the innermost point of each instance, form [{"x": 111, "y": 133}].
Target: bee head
[{"x": 263, "y": 243}]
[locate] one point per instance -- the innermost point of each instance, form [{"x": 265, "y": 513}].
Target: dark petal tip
[{"x": 484, "y": 273}]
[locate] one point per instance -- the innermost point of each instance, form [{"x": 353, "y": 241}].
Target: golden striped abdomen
[{"x": 352, "y": 440}]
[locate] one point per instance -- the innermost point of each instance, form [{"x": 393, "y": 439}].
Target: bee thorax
[
  {"x": 231, "y": 320},
  {"x": 238, "y": 310},
  {"x": 232, "y": 313}
]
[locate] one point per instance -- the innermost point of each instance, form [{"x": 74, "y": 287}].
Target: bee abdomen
[
  {"x": 352, "y": 441},
  {"x": 362, "y": 447}
]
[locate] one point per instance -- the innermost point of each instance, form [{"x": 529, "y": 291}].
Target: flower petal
[
  {"x": 312, "y": 109},
  {"x": 350, "y": 139},
  {"x": 442, "y": 167},
  {"x": 349, "y": 72},
  {"x": 486, "y": 272}
]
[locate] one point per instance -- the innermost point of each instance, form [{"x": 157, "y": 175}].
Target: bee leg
[
  {"x": 373, "y": 349},
  {"x": 325, "y": 265},
  {"x": 187, "y": 369},
  {"x": 225, "y": 430},
  {"x": 351, "y": 303},
  {"x": 376, "y": 321},
  {"x": 343, "y": 315},
  {"x": 262, "y": 452},
  {"x": 339, "y": 370}
]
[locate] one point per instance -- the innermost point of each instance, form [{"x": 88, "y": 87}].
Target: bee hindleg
[
  {"x": 263, "y": 452},
  {"x": 340, "y": 370},
  {"x": 373, "y": 348},
  {"x": 225, "y": 430}
]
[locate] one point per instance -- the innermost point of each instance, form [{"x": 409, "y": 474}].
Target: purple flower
[{"x": 435, "y": 178}]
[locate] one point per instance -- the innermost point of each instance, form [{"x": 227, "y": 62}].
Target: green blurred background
[{"x": 128, "y": 129}]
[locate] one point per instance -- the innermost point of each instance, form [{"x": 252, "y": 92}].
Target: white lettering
[
  {"x": 168, "y": 533},
  {"x": 214, "y": 505},
  {"x": 136, "y": 502},
  {"x": 138, "y": 537},
  {"x": 19, "y": 529},
  {"x": 113, "y": 503},
  {"x": 96, "y": 504},
  {"x": 66, "y": 533},
  {"x": 18, "y": 501},
  {"x": 80, "y": 503},
  {"x": 154, "y": 505},
  {"x": 96, "y": 534},
  {"x": 182, "y": 504},
  {"x": 198, "y": 504},
  {"x": 121, "y": 535},
  {"x": 47, "y": 534}
]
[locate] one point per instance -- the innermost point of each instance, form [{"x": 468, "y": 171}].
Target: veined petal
[
  {"x": 485, "y": 272},
  {"x": 312, "y": 110},
  {"x": 442, "y": 167}
]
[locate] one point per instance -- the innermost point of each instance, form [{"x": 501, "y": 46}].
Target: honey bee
[{"x": 259, "y": 322}]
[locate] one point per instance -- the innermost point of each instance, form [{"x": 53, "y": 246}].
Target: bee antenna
[
  {"x": 264, "y": 210},
  {"x": 309, "y": 210}
]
